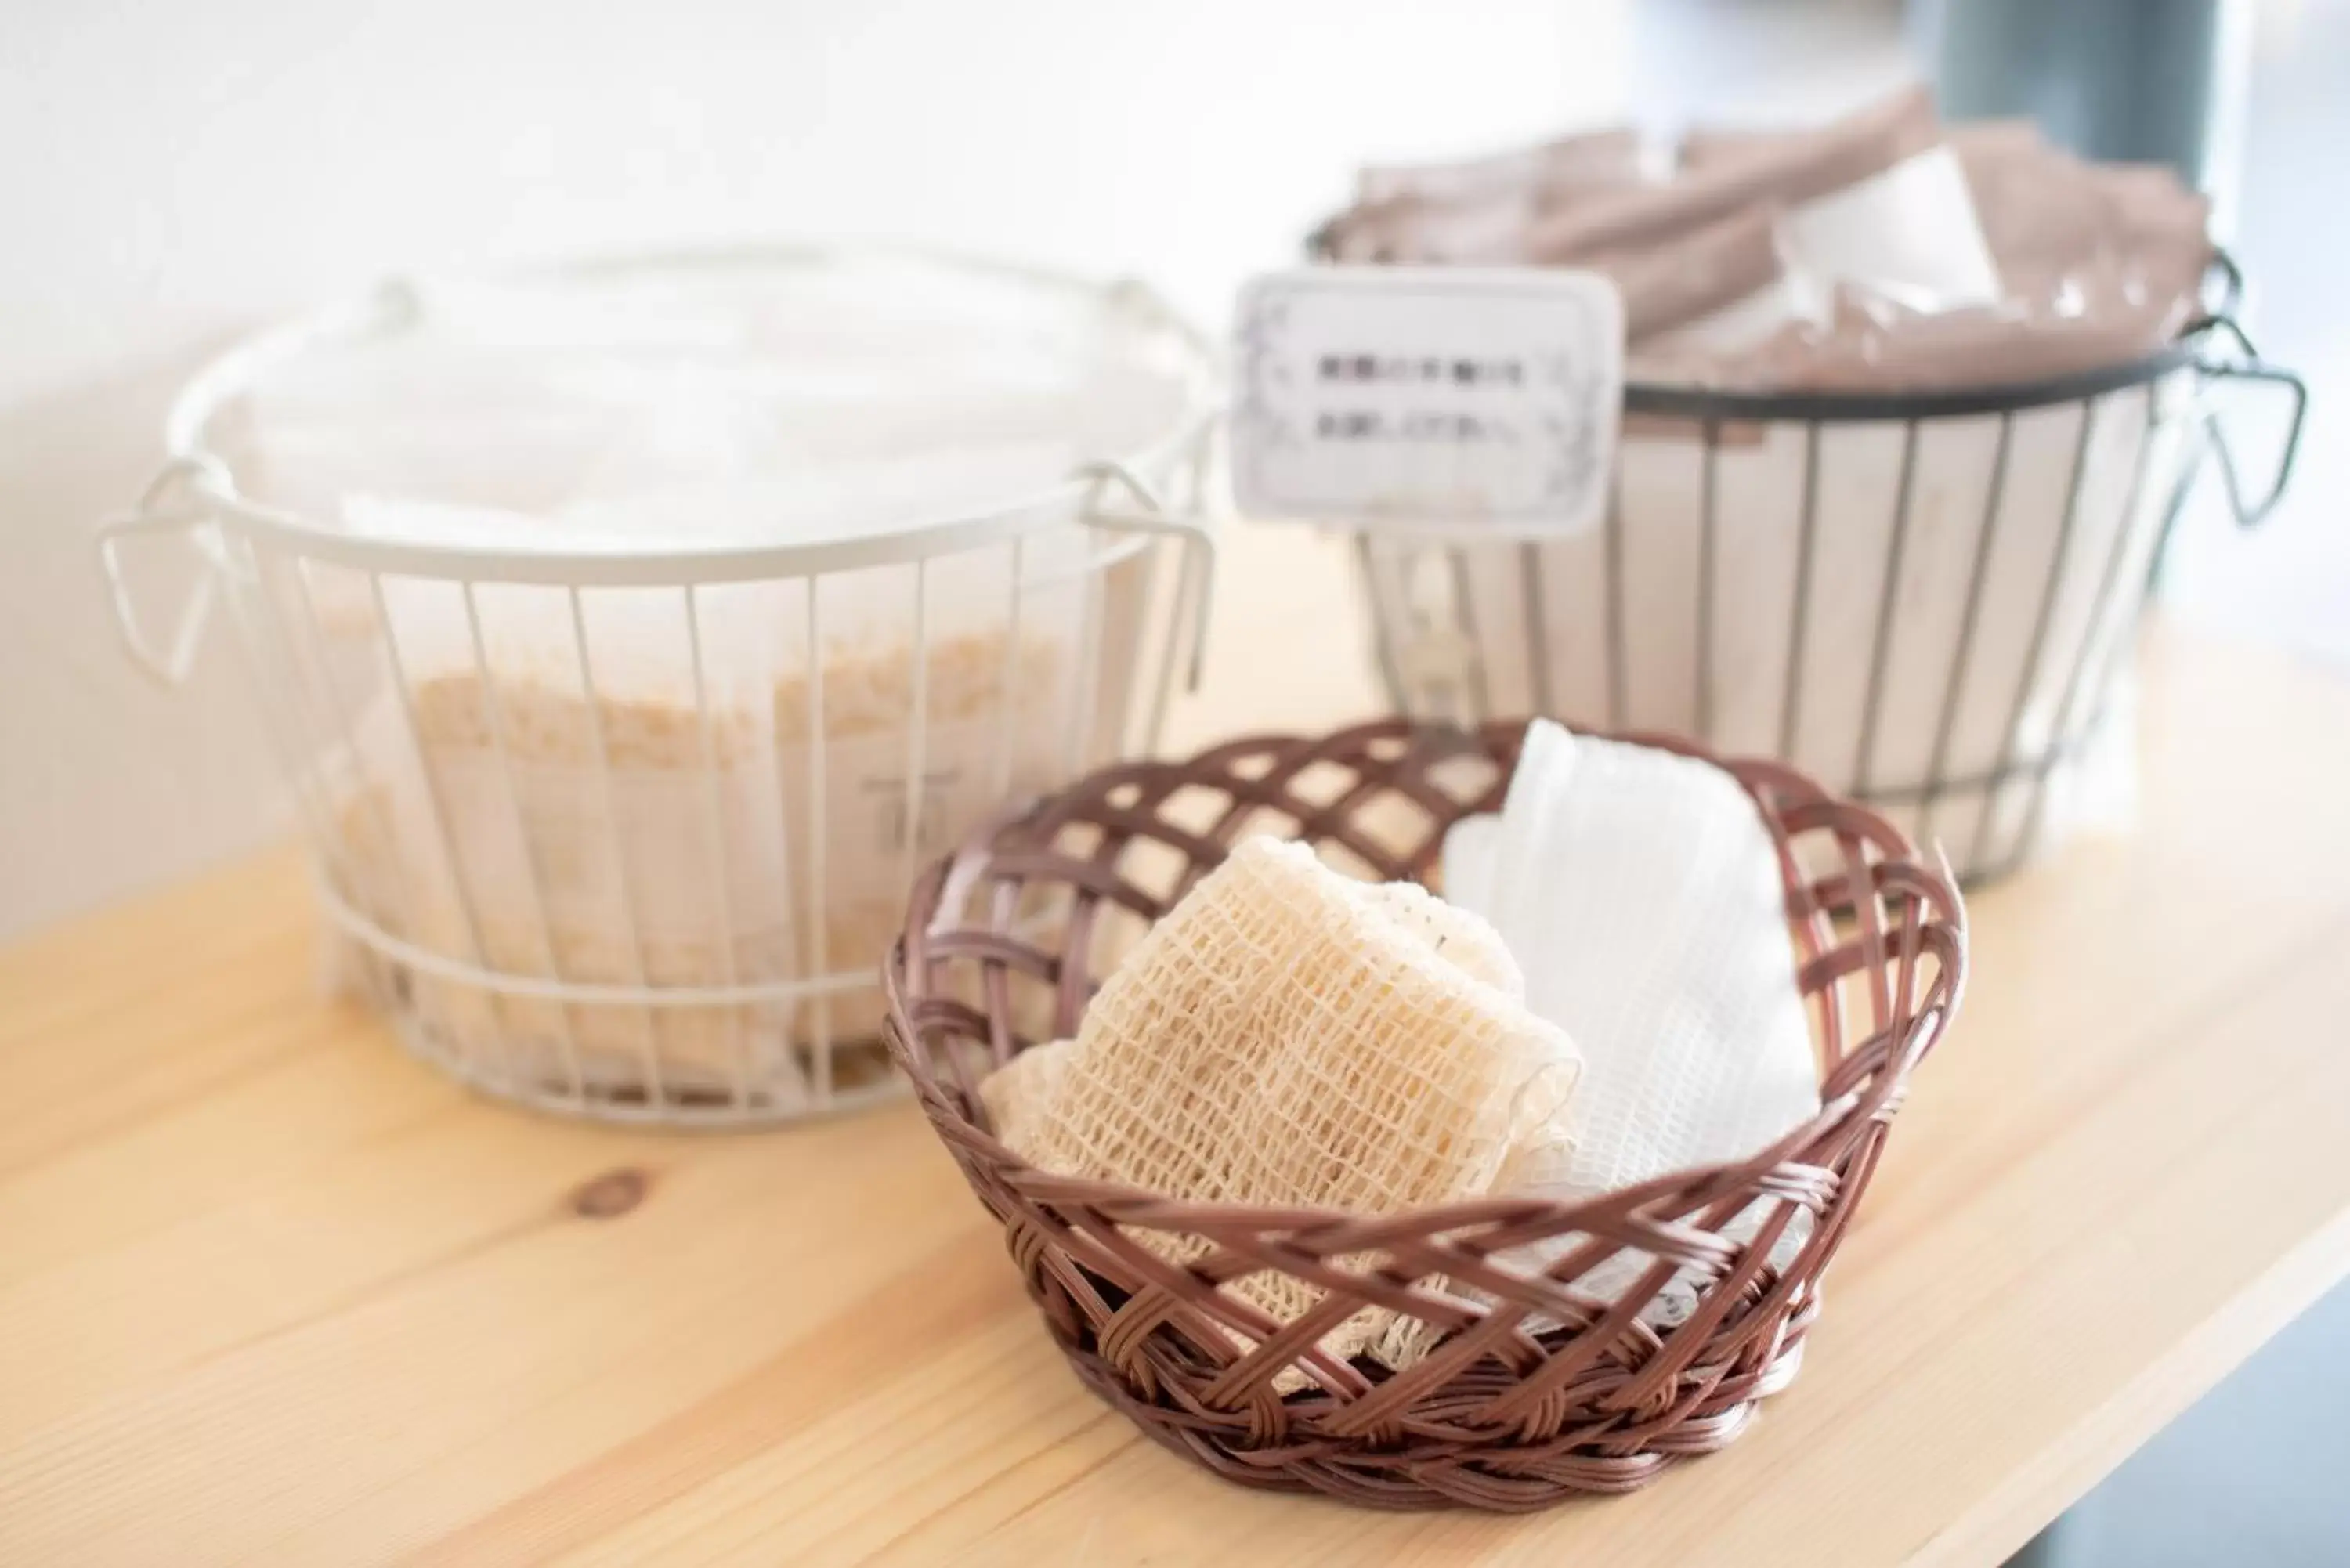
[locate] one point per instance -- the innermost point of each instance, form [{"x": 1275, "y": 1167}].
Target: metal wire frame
[
  {"x": 2170, "y": 386},
  {"x": 1060, "y": 552},
  {"x": 271, "y": 598}
]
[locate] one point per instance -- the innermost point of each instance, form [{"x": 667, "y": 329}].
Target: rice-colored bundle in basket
[
  {"x": 499, "y": 816},
  {"x": 992, "y": 720},
  {"x": 656, "y": 831}
]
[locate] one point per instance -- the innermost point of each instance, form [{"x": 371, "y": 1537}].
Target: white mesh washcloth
[
  {"x": 1641, "y": 894},
  {"x": 1288, "y": 1036}
]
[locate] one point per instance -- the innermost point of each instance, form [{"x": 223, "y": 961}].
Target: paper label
[{"x": 1428, "y": 399}]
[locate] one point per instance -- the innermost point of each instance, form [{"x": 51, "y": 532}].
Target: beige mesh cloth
[
  {"x": 1288, "y": 1035},
  {"x": 582, "y": 826}
]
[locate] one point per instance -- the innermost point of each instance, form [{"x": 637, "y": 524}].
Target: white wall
[{"x": 169, "y": 173}]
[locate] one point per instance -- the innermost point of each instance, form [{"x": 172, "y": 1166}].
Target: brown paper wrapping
[
  {"x": 2098, "y": 263},
  {"x": 1477, "y": 212},
  {"x": 1415, "y": 230},
  {"x": 1697, "y": 274},
  {"x": 1788, "y": 171},
  {"x": 1587, "y": 160},
  {"x": 1876, "y": 345}
]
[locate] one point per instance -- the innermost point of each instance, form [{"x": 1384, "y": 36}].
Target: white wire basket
[{"x": 617, "y": 819}]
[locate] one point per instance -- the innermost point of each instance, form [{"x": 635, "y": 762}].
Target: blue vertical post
[{"x": 2118, "y": 80}]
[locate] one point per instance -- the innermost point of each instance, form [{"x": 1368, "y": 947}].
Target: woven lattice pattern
[
  {"x": 1290, "y": 1036},
  {"x": 1535, "y": 1388}
]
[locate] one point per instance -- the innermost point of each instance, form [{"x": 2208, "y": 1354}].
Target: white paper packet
[{"x": 1908, "y": 232}]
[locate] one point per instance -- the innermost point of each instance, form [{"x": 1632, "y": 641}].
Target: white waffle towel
[{"x": 1642, "y": 895}]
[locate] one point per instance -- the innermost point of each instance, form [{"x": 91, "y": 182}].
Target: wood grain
[{"x": 270, "y": 1291}]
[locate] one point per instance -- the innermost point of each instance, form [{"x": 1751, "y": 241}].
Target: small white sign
[{"x": 1428, "y": 397}]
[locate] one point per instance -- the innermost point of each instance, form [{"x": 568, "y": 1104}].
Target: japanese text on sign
[{"x": 1426, "y": 399}]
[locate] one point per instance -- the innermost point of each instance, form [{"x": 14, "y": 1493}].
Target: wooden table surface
[{"x": 270, "y": 1291}]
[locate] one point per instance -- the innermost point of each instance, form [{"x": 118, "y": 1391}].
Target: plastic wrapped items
[
  {"x": 1905, "y": 233},
  {"x": 1880, "y": 252},
  {"x": 993, "y": 725},
  {"x": 1788, "y": 174}
]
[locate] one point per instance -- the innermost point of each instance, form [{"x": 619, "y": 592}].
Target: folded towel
[{"x": 1641, "y": 894}]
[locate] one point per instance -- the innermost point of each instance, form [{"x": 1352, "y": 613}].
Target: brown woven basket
[{"x": 1006, "y": 940}]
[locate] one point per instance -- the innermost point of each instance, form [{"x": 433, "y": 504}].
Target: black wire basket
[{"x": 1923, "y": 600}]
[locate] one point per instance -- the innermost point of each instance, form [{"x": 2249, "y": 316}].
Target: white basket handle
[
  {"x": 182, "y": 497},
  {"x": 1152, "y": 517}
]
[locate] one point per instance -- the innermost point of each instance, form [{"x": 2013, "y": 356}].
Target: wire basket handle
[
  {"x": 1197, "y": 582},
  {"x": 2247, "y": 365},
  {"x": 184, "y": 495}
]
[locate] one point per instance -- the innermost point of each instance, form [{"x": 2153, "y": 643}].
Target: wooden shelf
[{"x": 271, "y": 1291}]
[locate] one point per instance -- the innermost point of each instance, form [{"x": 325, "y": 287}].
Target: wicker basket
[{"x": 1005, "y": 942}]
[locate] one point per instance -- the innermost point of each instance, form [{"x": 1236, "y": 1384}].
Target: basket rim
[
  {"x": 1712, "y": 405},
  {"x": 1839, "y": 1121},
  {"x": 1708, "y": 405},
  {"x": 233, "y": 370}
]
